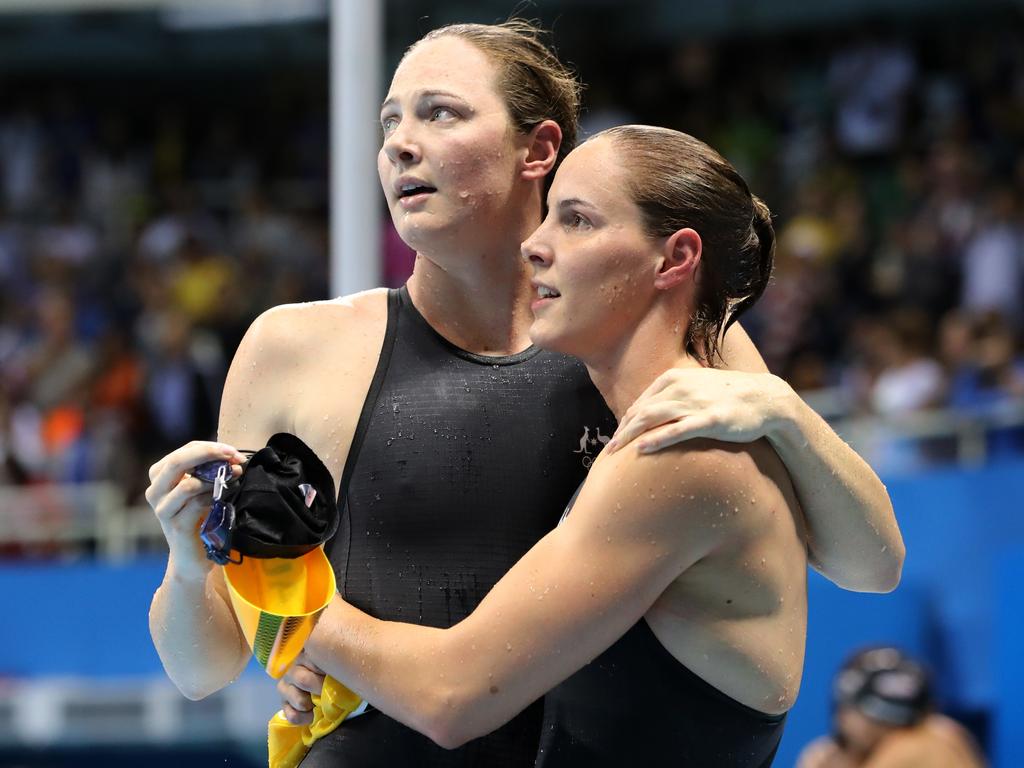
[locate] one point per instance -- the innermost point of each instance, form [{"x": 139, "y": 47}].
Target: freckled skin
[{"x": 461, "y": 144}]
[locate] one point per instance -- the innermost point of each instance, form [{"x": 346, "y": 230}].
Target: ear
[
  {"x": 679, "y": 259},
  {"x": 542, "y": 143}
]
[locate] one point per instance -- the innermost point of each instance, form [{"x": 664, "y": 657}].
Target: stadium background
[{"x": 164, "y": 177}]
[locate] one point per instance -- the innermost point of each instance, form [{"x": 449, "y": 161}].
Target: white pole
[{"x": 356, "y": 55}]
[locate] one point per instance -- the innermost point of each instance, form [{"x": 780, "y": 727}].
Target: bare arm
[
  {"x": 567, "y": 600},
  {"x": 191, "y": 621},
  {"x": 852, "y": 534}
]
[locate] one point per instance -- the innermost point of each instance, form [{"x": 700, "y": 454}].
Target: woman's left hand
[{"x": 682, "y": 404}]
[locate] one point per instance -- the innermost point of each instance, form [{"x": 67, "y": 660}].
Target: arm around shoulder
[{"x": 853, "y": 537}]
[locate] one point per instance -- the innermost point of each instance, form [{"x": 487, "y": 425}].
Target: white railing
[
  {"x": 967, "y": 433},
  {"x": 69, "y": 711},
  {"x": 76, "y": 518},
  {"x": 82, "y": 518}
]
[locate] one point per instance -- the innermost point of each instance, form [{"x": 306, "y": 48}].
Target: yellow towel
[
  {"x": 287, "y": 744},
  {"x": 277, "y": 602}
]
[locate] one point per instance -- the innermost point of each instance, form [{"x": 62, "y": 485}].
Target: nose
[
  {"x": 535, "y": 249},
  {"x": 400, "y": 146}
]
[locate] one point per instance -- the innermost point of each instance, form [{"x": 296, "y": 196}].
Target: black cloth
[
  {"x": 460, "y": 463},
  {"x": 635, "y": 704},
  {"x": 276, "y": 514}
]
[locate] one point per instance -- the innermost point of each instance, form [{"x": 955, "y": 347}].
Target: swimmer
[
  {"x": 884, "y": 717},
  {"x": 451, "y": 437},
  {"x": 665, "y": 617}
]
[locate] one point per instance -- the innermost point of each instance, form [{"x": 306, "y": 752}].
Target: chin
[{"x": 550, "y": 339}]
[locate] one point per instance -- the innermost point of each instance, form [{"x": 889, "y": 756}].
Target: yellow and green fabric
[{"x": 277, "y": 602}]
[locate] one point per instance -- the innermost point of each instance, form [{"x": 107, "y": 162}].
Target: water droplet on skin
[{"x": 508, "y": 647}]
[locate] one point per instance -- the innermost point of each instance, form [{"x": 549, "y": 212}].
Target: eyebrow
[
  {"x": 578, "y": 201},
  {"x": 422, "y": 95}
]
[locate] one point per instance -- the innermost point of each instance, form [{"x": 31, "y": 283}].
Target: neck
[
  {"x": 478, "y": 297},
  {"x": 622, "y": 371}
]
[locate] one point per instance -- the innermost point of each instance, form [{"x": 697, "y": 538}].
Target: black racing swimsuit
[
  {"x": 635, "y": 704},
  {"x": 460, "y": 463}
]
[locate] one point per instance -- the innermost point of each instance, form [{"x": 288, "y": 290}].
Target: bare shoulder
[
  {"x": 706, "y": 469},
  {"x": 722, "y": 488},
  {"x": 695, "y": 481},
  {"x": 292, "y": 352},
  {"x": 292, "y": 329}
]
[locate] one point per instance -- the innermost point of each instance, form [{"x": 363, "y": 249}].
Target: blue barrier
[
  {"x": 839, "y": 623},
  {"x": 81, "y": 619},
  {"x": 953, "y": 609},
  {"x": 1008, "y": 738}
]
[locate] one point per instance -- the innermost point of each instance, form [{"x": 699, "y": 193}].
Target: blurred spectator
[
  {"x": 54, "y": 366},
  {"x": 199, "y": 278},
  {"x": 791, "y": 317},
  {"x": 21, "y": 159},
  {"x": 164, "y": 226},
  {"x": 990, "y": 377},
  {"x": 884, "y": 717},
  {"x": 177, "y": 389},
  {"x": 910, "y": 379},
  {"x": 993, "y": 265},
  {"x": 871, "y": 80}
]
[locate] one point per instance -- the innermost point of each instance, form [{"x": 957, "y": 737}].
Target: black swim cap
[
  {"x": 285, "y": 505},
  {"x": 885, "y": 685}
]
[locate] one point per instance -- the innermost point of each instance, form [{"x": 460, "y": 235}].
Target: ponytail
[{"x": 763, "y": 240}]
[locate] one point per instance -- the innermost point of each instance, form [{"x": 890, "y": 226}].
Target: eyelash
[
  {"x": 435, "y": 110},
  {"x": 576, "y": 221},
  {"x": 389, "y": 123}
]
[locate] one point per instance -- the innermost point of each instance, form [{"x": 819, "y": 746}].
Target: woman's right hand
[
  {"x": 181, "y": 501},
  {"x": 296, "y": 689}
]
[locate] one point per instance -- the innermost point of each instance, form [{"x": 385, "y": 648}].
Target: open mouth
[
  {"x": 547, "y": 293},
  {"x": 411, "y": 190}
]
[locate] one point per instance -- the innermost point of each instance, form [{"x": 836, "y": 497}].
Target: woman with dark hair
[
  {"x": 665, "y": 616},
  {"x": 453, "y": 441}
]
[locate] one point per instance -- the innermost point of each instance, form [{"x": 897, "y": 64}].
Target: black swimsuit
[
  {"x": 635, "y": 704},
  {"x": 459, "y": 465}
]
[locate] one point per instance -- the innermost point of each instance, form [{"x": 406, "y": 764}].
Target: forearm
[
  {"x": 853, "y": 537},
  {"x": 195, "y": 633},
  {"x": 435, "y": 681}
]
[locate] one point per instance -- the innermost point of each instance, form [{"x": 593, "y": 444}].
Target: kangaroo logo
[{"x": 587, "y": 442}]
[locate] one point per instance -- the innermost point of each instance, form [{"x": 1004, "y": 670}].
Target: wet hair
[
  {"x": 678, "y": 181},
  {"x": 536, "y": 86}
]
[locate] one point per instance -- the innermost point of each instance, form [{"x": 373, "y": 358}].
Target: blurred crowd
[
  {"x": 137, "y": 246},
  {"x": 133, "y": 256},
  {"x": 893, "y": 158}
]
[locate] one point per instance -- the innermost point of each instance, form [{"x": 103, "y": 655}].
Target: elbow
[
  {"x": 878, "y": 575},
  {"x": 450, "y": 721},
  {"x": 887, "y": 570},
  {"x": 892, "y": 570},
  {"x": 448, "y": 736},
  {"x": 194, "y": 690}
]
